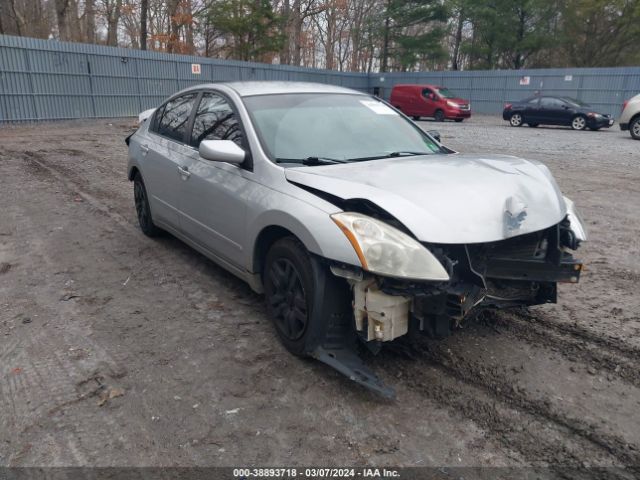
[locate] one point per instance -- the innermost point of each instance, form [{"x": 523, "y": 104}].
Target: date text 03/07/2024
[{"x": 246, "y": 473}]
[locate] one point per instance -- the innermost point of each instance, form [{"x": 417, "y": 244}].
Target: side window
[
  {"x": 175, "y": 117},
  {"x": 534, "y": 101},
  {"x": 548, "y": 102},
  {"x": 215, "y": 120},
  {"x": 426, "y": 92}
]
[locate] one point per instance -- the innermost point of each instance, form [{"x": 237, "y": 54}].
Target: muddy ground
[{"x": 119, "y": 350}]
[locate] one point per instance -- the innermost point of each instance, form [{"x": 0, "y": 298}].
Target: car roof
[{"x": 249, "y": 88}]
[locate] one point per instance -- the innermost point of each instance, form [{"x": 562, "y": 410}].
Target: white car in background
[{"x": 630, "y": 117}]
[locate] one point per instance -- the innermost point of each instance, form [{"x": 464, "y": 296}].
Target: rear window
[{"x": 175, "y": 117}]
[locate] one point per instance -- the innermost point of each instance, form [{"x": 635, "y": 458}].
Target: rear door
[
  {"x": 164, "y": 152},
  {"x": 530, "y": 110},
  {"x": 214, "y": 193}
]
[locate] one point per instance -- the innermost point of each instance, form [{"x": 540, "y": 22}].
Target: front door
[
  {"x": 213, "y": 194},
  {"x": 428, "y": 103},
  {"x": 553, "y": 111}
]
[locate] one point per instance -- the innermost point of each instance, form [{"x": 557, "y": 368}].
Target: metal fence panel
[{"x": 47, "y": 80}]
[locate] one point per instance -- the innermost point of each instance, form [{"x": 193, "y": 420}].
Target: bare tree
[
  {"x": 90, "y": 21},
  {"x": 113, "y": 10},
  {"x": 144, "y": 10}
]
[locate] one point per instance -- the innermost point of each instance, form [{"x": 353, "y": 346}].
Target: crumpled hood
[{"x": 448, "y": 198}]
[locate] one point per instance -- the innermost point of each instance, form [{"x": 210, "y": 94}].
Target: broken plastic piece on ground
[{"x": 348, "y": 363}]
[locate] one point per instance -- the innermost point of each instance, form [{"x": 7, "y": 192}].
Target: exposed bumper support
[
  {"x": 534, "y": 270},
  {"x": 347, "y": 362}
]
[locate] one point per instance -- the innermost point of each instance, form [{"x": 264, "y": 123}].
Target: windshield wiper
[
  {"x": 310, "y": 160},
  {"x": 389, "y": 155}
]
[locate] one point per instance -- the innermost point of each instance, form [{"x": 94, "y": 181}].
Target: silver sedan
[{"x": 356, "y": 225}]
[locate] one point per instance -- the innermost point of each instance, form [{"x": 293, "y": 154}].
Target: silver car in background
[{"x": 355, "y": 224}]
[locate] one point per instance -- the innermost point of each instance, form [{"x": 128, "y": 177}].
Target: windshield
[
  {"x": 333, "y": 128},
  {"x": 575, "y": 102},
  {"x": 445, "y": 92}
]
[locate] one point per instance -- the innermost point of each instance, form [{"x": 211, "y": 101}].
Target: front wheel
[
  {"x": 142, "y": 208},
  {"x": 439, "y": 116},
  {"x": 515, "y": 120},
  {"x": 634, "y": 129},
  {"x": 289, "y": 291},
  {"x": 578, "y": 122}
]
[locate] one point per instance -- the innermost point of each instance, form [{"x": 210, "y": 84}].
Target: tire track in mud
[
  {"x": 530, "y": 426},
  {"x": 573, "y": 342},
  {"x": 35, "y": 164}
]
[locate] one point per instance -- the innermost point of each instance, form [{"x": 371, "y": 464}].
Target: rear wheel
[
  {"x": 634, "y": 128},
  {"x": 515, "y": 120},
  {"x": 439, "y": 116},
  {"x": 142, "y": 208},
  {"x": 289, "y": 291},
  {"x": 579, "y": 122}
]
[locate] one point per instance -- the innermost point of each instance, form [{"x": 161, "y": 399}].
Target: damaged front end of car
[{"x": 435, "y": 299}]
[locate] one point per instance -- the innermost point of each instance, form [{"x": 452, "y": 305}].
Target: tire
[
  {"x": 416, "y": 117},
  {"x": 579, "y": 122},
  {"x": 142, "y": 208},
  {"x": 289, "y": 291},
  {"x": 458, "y": 120},
  {"x": 634, "y": 128},
  {"x": 439, "y": 116},
  {"x": 533, "y": 125},
  {"x": 515, "y": 120}
]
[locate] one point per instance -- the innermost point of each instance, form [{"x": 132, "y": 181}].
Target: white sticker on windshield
[{"x": 378, "y": 107}]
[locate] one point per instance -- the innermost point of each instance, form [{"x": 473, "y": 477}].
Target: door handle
[
  {"x": 145, "y": 148},
  {"x": 184, "y": 171}
]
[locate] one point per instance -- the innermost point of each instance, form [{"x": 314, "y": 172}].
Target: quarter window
[
  {"x": 215, "y": 120},
  {"x": 175, "y": 118}
]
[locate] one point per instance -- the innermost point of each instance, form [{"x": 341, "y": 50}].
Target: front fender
[{"x": 319, "y": 234}]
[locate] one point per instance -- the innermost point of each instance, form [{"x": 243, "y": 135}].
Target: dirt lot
[{"x": 117, "y": 350}]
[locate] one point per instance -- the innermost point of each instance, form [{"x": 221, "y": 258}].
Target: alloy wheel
[
  {"x": 635, "y": 129},
  {"x": 516, "y": 120},
  {"x": 141, "y": 203},
  {"x": 288, "y": 299},
  {"x": 578, "y": 123}
]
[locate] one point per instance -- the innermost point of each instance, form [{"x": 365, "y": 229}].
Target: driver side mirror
[
  {"x": 435, "y": 134},
  {"x": 222, "y": 151}
]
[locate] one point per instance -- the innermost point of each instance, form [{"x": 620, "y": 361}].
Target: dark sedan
[{"x": 547, "y": 110}]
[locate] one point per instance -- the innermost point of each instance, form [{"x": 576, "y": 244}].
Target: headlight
[
  {"x": 385, "y": 250},
  {"x": 453, "y": 104}
]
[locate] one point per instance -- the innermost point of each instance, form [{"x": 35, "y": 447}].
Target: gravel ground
[{"x": 120, "y": 350}]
